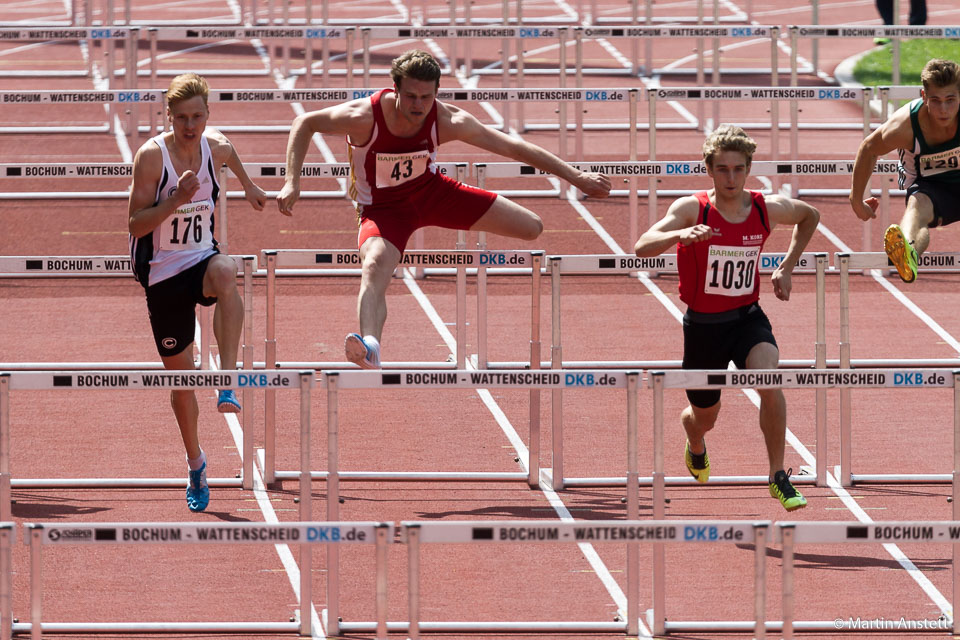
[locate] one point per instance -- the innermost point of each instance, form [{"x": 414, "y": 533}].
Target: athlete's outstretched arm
[
  {"x": 354, "y": 119},
  {"x": 678, "y": 225},
  {"x": 457, "y": 124},
  {"x": 895, "y": 133}
]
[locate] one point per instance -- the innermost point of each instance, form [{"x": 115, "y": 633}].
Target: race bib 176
[{"x": 188, "y": 227}]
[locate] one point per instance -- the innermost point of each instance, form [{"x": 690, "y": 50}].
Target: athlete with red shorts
[
  {"x": 719, "y": 235},
  {"x": 394, "y": 182}
]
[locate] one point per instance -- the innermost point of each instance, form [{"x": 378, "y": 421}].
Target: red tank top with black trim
[
  {"x": 387, "y": 168},
  {"x": 722, "y": 273}
]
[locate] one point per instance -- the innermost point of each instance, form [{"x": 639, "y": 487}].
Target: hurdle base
[
  {"x": 682, "y": 481},
  {"x": 490, "y": 627},
  {"x": 901, "y": 478},
  {"x": 776, "y": 626},
  {"x": 117, "y": 483},
  {"x": 159, "y": 627},
  {"x": 410, "y": 476}
]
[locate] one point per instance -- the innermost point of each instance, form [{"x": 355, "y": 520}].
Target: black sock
[{"x": 699, "y": 459}]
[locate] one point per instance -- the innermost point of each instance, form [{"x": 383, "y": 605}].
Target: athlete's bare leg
[
  {"x": 916, "y": 221},
  {"x": 378, "y": 258},
  {"x": 696, "y": 422},
  {"x": 773, "y": 406},
  {"x": 184, "y": 402},
  {"x": 506, "y": 218},
  {"x": 220, "y": 282}
]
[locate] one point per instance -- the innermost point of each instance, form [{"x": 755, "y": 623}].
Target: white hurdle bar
[
  {"x": 119, "y": 266},
  {"x": 939, "y": 262},
  {"x": 141, "y": 380},
  {"x": 629, "y": 264},
  {"x": 631, "y": 532},
  {"x": 319, "y": 262},
  {"x": 789, "y": 534},
  {"x": 304, "y": 534},
  {"x": 8, "y": 535},
  {"x": 819, "y": 379}
]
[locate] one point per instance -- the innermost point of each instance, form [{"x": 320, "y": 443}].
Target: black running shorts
[
  {"x": 712, "y": 340},
  {"x": 172, "y": 307},
  {"x": 943, "y": 195}
]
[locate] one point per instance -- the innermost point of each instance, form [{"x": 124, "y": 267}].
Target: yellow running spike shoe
[
  {"x": 701, "y": 474},
  {"x": 780, "y": 488},
  {"x": 901, "y": 253}
]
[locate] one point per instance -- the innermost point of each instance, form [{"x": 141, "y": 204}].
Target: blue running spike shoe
[
  {"x": 198, "y": 491},
  {"x": 227, "y": 402},
  {"x": 789, "y": 497},
  {"x": 359, "y": 353}
]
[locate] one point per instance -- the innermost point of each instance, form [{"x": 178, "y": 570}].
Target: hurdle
[
  {"x": 140, "y": 380},
  {"x": 119, "y": 266},
  {"x": 109, "y": 97},
  {"x": 607, "y": 264},
  {"x": 939, "y": 262},
  {"x": 334, "y": 381},
  {"x": 303, "y": 534},
  {"x": 789, "y": 534},
  {"x": 632, "y": 532},
  {"x": 461, "y": 259}
]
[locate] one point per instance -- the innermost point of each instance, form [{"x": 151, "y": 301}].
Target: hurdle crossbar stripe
[
  {"x": 931, "y": 261},
  {"x": 72, "y": 265},
  {"x": 334, "y": 258},
  {"x": 326, "y": 170},
  {"x": 482, "y": 379},
  {"x": 626, "y": 263},
  {"x": 859, "y": 532},
  {"x": 75, "y": 533},
  {"x": 685, "y": 169},
  {"x": 807, "y": 379},
  {"x": 699, "y": 31},
  {"x": 220, "y": 32},
  {"x": 594, "y": 531},
  {"x": 66, "y": 170},
  {"x": 877, "y": 31},
  {"x": 82, "y": 96},
  {"x": 13, "y": 34},
  {"x": 166, "y": 379}
]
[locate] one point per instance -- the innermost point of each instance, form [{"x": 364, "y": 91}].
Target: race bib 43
[{"x": 394, "y": 169}]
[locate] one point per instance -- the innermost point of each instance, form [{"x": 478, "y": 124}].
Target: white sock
[
  {"x": 196, "y": 463},
  {"x": 374, "y": 345}
]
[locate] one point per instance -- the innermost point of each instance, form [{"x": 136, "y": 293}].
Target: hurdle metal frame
[
  {"x": 132, "y": 379},
  {"x": 627, "y": 264},
  {"x": 485, "y": 532},
  {"x": 535, "y": 381},
  {"x": 275, "y": 259},
  {"x": 8, "y": 536},
  {"x": 119, "y": 266},
  {"x": 875, "y": 260},
  {"x": 304, "y": 534},
  {"x": 843, "y": 379},
  {"x": 789, "y": 534}
]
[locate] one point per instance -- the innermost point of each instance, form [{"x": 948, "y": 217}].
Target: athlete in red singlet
[
  {"x": 393, "y": 137},
  {"x": 719, "y": 235}
]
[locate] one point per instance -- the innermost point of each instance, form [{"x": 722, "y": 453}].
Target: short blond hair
[
  {"x": 940, "y": 73},
  {"x": 416, "y": 64},
  {"x": 728, "y": 137},
  {"x": 186, "y": 86}
]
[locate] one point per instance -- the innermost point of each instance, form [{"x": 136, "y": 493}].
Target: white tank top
[{"x": 186, "y": 237}]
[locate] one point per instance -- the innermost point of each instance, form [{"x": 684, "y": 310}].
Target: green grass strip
[{"x": 876, "y": 67}]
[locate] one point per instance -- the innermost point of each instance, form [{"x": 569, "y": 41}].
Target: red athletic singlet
[
  {"x": 387, "y": 168},
  {"x": 722, "y": 273}
]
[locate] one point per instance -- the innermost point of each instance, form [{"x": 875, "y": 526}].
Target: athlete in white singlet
[{"x": 175, "y": 257}]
